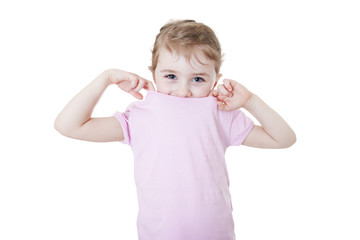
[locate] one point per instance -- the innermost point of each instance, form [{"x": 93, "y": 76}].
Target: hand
[
  {"x": 231, "y": 95},
  {"x": 129, "y": 82}
]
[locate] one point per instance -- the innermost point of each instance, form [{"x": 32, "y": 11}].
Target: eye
[
  {"x": 171, "y": 76},
  {"x": 198, "y": 79}
]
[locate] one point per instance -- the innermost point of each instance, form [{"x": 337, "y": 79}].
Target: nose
[{"x": 182, "y": 91}]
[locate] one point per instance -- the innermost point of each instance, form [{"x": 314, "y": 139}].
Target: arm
[
  {"x": 274, "y": 132},
  {"x": 75, "y": 119}
]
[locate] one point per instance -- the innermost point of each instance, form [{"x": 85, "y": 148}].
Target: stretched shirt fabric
[{"x": 179, "y": 165}]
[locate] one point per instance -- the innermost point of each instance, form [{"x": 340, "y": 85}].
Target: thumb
[
  {"x": 137, "y": 95},
  {"x": 214, "y": 93},
  {"x": 149, "y": 86}
]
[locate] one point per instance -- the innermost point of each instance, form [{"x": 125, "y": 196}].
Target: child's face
[{"x": 176, "y": 75}]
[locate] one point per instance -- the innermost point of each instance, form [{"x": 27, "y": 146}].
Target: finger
[
  {"x": 134, "y": 79},
  {"x": 125, "y": 85},
  {"x": 130, "y": 84},
  {"x": 222, "y": 90},
  {"x": 139, "y": 86},
  {"x": 222, "y": 98},
  {"x": 142, "y": 83},
  {"x": 149, "y": 85},
  {"x": 137, "y": 95},
  {"x": 221, "y": 105},
  {"x": 214, "y": 93},
  {"x": 136, "y": 90},
  {"x": 227, "y": 84}
]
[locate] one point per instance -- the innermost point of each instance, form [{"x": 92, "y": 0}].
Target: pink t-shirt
[{"x": 180, "y": 172}]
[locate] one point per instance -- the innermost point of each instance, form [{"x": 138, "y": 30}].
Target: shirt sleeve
[
  {"x": 240, "y": 127},
  {"x": 123, "y": 119}
]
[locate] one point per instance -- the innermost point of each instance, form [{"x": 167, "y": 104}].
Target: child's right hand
[
  {"x": 129, "y": 82},
  {"x": 75, "y": 119}
]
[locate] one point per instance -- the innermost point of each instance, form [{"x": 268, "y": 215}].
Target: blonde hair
[{"x": 183, "y": 36}]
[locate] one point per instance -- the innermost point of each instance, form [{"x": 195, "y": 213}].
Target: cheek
[
  {"x": 203, "y": 91},
  {"x": 162, "y": 86}
]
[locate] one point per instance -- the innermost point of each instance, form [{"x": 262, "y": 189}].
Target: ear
[
  {"x": 217, "y": 79},
  {"x": 153, "y": 73}
]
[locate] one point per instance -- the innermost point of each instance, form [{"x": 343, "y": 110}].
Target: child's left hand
[{"x": 231, "y": 95}]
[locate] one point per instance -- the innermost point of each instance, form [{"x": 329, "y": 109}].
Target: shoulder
[
  {"x": 135, "y": 105},
  {"x": 237, "y": 125},
  {"x": 232, "y": 116}
]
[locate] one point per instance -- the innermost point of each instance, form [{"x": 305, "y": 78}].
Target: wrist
[
  {"x": 107, "y": 76},
  {"x": 250, "y": 103}
]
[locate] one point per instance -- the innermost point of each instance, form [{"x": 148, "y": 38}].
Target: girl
[{"x": 179, "y": 133}]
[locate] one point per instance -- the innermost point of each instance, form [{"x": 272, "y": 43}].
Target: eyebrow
[
  {"x": 202, "y": 74},
  {"x": 173, "y": 71},
  {"x": 168, "y": 70}
]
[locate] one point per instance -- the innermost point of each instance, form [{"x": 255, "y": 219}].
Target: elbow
[
  {"x": 61, "y": 127},
  {"x": 290, "y": 140},
  {"x": 293, "y": 140},
  {"x": 67, "y": 129}
]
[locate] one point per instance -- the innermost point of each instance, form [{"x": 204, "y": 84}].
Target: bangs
[
  {"x": 186, "y": 38},
  {"x": 191, "y": 52}
]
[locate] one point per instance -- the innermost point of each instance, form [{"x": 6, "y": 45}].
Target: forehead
[{"x": 194, "y": 59}]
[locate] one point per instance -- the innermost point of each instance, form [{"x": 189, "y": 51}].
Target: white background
[{"x": 301, "y": 57}]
